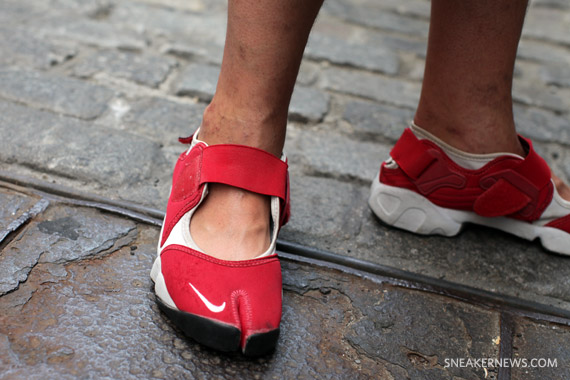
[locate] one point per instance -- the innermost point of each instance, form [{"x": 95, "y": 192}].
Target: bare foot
[
  {"x": 562, "y": 188},
  {"x": 232, "y": 224}
]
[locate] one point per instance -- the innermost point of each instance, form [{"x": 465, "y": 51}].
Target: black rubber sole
[
  {"x": 261, "y": 344},
  {"x": 206, "y": 331},
  {"x": 217, "y": 335}
]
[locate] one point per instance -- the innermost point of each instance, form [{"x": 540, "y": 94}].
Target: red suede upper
[
  {"x": 561, "y": 223},
  {"x": 251, "y": 289},
  {"x": 235, "y": 165},
  {"x": 186, "y": 188},
  {"x": 506, "y": 186}
]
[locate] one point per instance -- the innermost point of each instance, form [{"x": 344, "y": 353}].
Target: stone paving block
[
  {"x": 404, "y": 44},
  {"x": 415, "y": 69},
  {"x": 375, "y": 17},
  {"x": 332, "y": 155},
  {"x": 415, "y": 8},
  {"x": 330, "y": 26},
  {"x": 93, "y": 32},
  {"x": 162, "y": 120},
  {"x": 547, "y": 24},
  {"x": 427, "y": 330},
  {"x": 542, "y": 125},
  {"x": 371, "y": 119},
  {"x": 14, "y": 208},
  {"x": 556, "y": 99},
  {"x": 73, "y": 148},
  {"x": 183, "y": 5},
  {"x": 154, "y": 192},
  {"x": 337, "y": 51},
  {"x": 195, "y": 49},
  {"x": 16, "y": 13},
  {"x": 557, "y": 4},
  {"x": 540, "y": 341},
  {"x": 95, "y": 9},
  {"x": 56, "y": 93},
  {"x": 308, "y": 104},
  {"x": 197, "y": 80},
  {"x": 479, "y": 257},
  {"x": 24, "y": 50},
  {"x": 145, "y": 69},
  {"x": 371, "y": 86},
  {"x": 60, "y": 235},
  {"x": 170, "y": 22},
  {"x": 324, "y": 212},
  {"x": 556, "y": 74},
  {"x": 200, "y": 80},
  {"x": 308, "y": 73},
  {"x": 100, "y": 320},
  {"x": 542, "y": 52}
]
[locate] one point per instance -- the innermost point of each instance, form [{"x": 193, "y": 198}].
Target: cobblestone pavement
[
  {"x": 76, "y": 302},
  {"x": 94, "y": 93}
]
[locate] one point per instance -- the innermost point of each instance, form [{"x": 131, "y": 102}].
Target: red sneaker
[
  {"x": 226, "y": 305},
  {"x": 422, "y": 190}
]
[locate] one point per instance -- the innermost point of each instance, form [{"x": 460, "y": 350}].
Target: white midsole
[
  {"x": 156, "y": 276},
  {"x": 413, "y": 212},
  {"x": 160, "y": 285}
]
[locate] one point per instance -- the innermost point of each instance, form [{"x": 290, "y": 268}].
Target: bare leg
[
  {"x": 466, "y": 95},
  {"x": 264, "y": 46}
]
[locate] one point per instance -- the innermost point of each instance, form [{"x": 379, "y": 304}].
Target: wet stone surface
[
  {"x": 58, "y": 236},
  {"x": 93, "y": 317},
  {"x": 14, "y": 208},
  {"x": 544, "y": 350}
]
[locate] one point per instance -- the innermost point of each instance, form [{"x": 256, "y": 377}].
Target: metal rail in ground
[{"x": 297, "y": 252}]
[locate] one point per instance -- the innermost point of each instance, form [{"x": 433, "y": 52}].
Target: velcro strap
[
  {"x": 516, "y": 189},
  {"x": 533, "y": 167},
  {"x": 425, "y": 165},
  {"x": 411, "y": 155},
  {"x": 502, "y": 198},
  {"x": 186, "y": 140},
  {"x": 245, "y": 167}
]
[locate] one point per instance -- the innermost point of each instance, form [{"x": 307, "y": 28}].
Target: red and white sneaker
[
  {"x": 226, "y": 305},
  {"x": 429, "y": 187}
]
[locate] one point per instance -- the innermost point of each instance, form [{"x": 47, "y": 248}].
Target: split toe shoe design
[{"x": 225, "y": 305}]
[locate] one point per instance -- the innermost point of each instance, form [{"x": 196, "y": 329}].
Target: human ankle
[
  {"x": 561, "y": 187},
  {"x": 483, "y": 136},
  {"x": 223, "y": 123}
]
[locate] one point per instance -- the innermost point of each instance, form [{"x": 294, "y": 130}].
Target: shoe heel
[{"x": 412, "y": 212}]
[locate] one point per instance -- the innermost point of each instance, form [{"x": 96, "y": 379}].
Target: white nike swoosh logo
[{"x": 213, "y": 308}]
